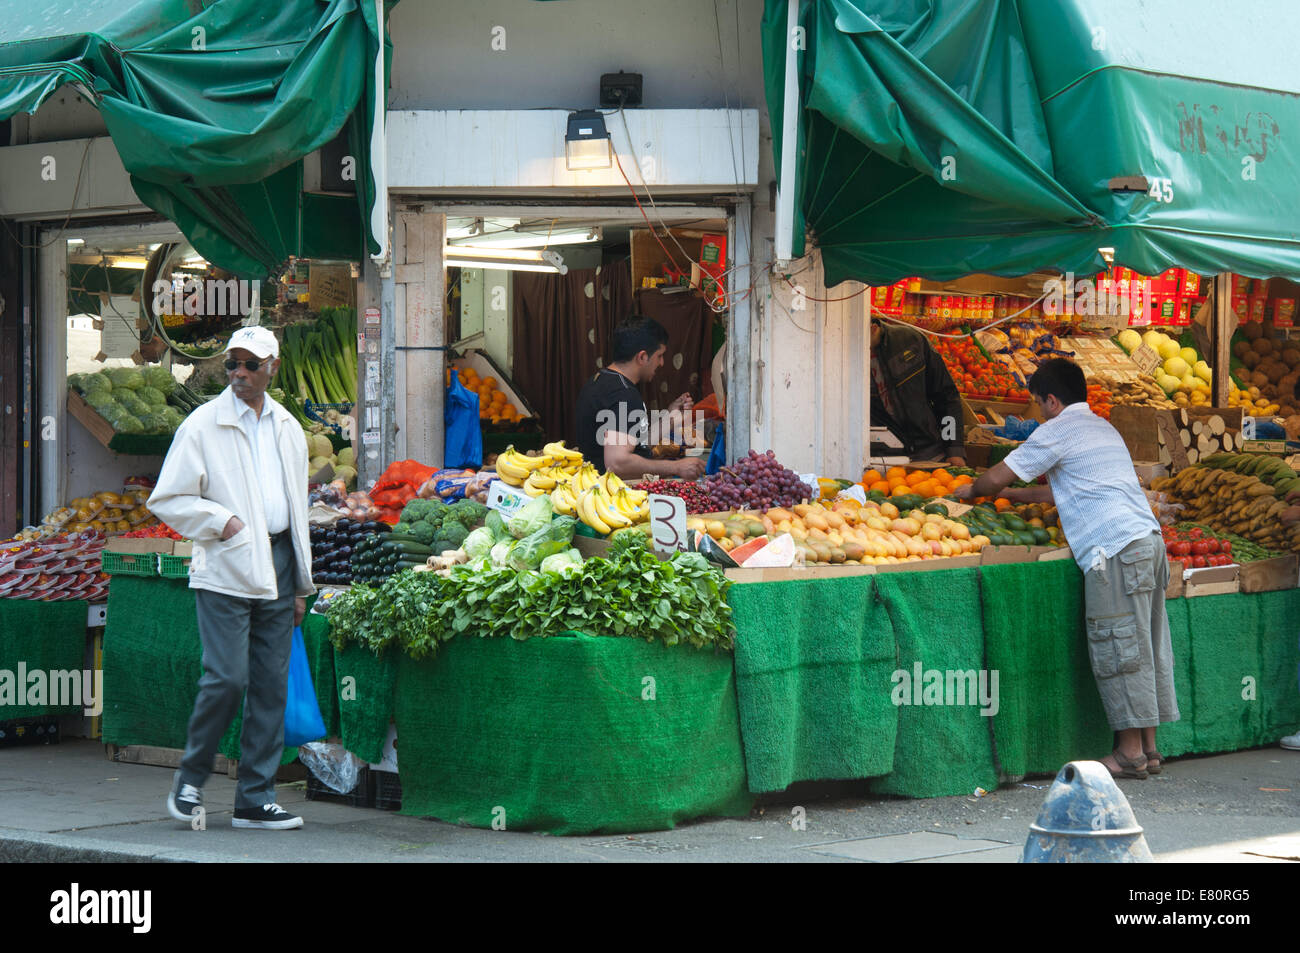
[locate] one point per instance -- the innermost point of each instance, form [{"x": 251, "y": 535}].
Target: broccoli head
[
  {"x": 403, "y": 526},
  {"x": 451, "y": 536},
  {"x": 424, "y": 531},
  {"x": 414, "y": 510},
  {"x": 468, "y": 513}
]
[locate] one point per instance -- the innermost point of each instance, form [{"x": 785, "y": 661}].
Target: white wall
[{"x": 555, "y": 53}]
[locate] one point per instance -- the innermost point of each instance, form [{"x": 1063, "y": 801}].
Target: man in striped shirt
[{"x": 1116, "y": 542}]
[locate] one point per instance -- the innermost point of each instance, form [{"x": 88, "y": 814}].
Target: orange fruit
[
  {"x": 916, "y": 477},
  {"x": 490, "y": 382},
  {"x": 960, "y": 481},
  {"x": 901, "y": 490},
  {"x": 942, "y": 476},
  {"x": 892, "y": 472},
  {"x": 871, "y": 476},
  {"x": 884, "y": 486},
  {"x": 926, "y": 488}
]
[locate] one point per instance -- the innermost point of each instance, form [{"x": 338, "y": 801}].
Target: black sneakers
[
  {"x": 270, "y": 817},
  {"x": 183, "y": 801}
]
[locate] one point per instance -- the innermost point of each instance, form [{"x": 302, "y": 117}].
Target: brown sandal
[
  {"x": 1128, "y": 769},
  {"x": 1154, "y": 760}
]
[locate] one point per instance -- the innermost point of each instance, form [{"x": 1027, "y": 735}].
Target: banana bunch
[
  {"x": 565, "y": 457},
  {"x": 606, "y": 509},
  {"x": 1271, "y": 470},
  {"x": 515, "y": 467}
]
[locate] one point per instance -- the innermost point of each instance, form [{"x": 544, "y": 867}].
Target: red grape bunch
[{"x": 755, "y": 482}]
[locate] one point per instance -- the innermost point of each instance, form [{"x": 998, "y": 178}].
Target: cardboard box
[
  {"x": 1146, "y": 472},
  {"x": 1270, "y": 575},
  {"x": 926, "y": 565},
  {"x": 1001, "y": 555},
  {"x": 117, "y": 544},
  {"x": 1215, "y": 581},
  {"x": 1059, "y": 552},
  {"x": 331, "y": 285},
  {"x": 798, "y": 573}
]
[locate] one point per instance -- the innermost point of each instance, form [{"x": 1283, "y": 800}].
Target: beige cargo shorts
[{"x": 1128, "y": 635}]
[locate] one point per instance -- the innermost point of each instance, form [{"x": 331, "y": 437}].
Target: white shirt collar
[{"x": 242, "y": 407}]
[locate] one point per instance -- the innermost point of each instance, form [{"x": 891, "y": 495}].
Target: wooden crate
[
  {"x": 99, "y": 428},
  {"x": 1270, "y": 575},
  {"x": 1217, "y": 581}
]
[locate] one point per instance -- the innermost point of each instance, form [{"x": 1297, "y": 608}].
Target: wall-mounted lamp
[{"x": 586, "y": 143}]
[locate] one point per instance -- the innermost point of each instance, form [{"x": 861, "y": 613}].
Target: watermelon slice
[
  {"x": 748, "y": 548},
  {"x": 778, "y": 553}
]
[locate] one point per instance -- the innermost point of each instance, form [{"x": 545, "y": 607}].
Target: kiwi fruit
[
  {"x": 1250, "y": 359},
  {"x": 1240, "y": 348},
  {"x": 1263, "y": 347},
  {"x": 1291, "y": 357}
]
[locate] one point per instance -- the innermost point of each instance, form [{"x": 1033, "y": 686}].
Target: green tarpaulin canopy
[
  {"x": 212, "y": 106},
  {"x": 946, "y": 137}
]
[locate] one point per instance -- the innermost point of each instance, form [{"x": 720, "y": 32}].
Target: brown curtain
[
  {"x": 690, "y": 345},
  {"x": 562, "y": 325}
]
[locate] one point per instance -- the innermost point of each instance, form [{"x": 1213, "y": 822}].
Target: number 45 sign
[{"x": 668, "y": 523}]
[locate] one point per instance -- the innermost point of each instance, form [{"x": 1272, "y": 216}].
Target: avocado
[
  {"x": 1041, "y": 536},
  {"x": 999, "y": 539},
  {"x": 1013, "y": 522},
  {"x": 938, "y": 508},
  {"x": 1024, "y": 538}
]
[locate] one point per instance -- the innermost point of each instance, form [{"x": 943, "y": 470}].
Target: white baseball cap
[{"x": 257, "y": 339}]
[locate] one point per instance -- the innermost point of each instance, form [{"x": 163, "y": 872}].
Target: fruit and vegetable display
[
  {"x": 318, "y": 361},
  {"x": 698, "y": 499},
  {"x": 321, "y": 453},
  {"x": 137, "y": 400},
  {"x": 55, "y": 569},
  {"x": 106, "y": 512},
  {"x": 332, "y": 548},
  {"x": 1182, "y": 375},
  {"x": 911, "y": 486},
  {"x": 1268, "y": 372},
  {"x": 756, "y": 480},
  {"x": 493, "y": 405},
  {"x": 575, "y": 487},
  {"x": 1186, "y": 541},
  {"x": 1239, "y": 493},
  {"x": 844, "y": 532},
  {"x": 157, "y": 531},
  {"x": 1029, "y": 524},
  {"x": 976, "y": 375},
  {"x": 633, "y": 594},
  {"x": 426, "y": 528},
  {"x": 1135, "y": 392}
]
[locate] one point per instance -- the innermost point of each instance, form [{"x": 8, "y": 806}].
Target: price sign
[
  {"x": 956, "y": 509},
  {"x": 1145, "y": 358},
  {"x": 372, "y": 316},
  {"x": 370, "y": 438},
  {"x": 668, "y": 523},
  {"x": 506, "y": 499}
]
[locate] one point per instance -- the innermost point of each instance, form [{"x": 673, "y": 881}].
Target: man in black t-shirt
[{"x": 614, "y": 431}]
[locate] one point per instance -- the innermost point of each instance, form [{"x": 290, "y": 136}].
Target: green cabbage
[
  {"x": 104, "y": 404},
  {"x": 132, "y": 403},
  {"x": 501, "y": 552},
  {"x": 497, "y": 525},
  {"x": 99, "y": 382},
  {"x": 152, "y": 396},
  {"x": 532, "y": 516},
  {"x": 563, "y": 563},
  {"x": 125, "y": 378},
  {"x": 128, "y": 424},
  {"x": 159, "y": 378},
  {"x": 78, "y": 382},
  {"x": 479, "y": 543},
  {"x": 529, "y": 552}
]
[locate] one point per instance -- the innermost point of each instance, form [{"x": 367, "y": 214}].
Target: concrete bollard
[{"x": 1085, "y": 819}]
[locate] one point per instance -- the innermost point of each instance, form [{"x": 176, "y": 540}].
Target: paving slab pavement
[{"x": 68, "y": 802}]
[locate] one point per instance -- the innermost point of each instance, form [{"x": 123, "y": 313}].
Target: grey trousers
[
  {"x": 246, "y": 645},
  {"x": 1128, "y": 636}
]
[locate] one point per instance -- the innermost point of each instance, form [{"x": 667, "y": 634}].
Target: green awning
[
  {"x": 947, "y": 137},
  {"x": 212, "y": 111}
]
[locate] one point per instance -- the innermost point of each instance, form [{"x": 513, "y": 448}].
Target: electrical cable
[{"x": 76, "y": 191}]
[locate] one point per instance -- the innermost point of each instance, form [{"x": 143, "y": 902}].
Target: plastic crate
[
  {"x": 130, "y": 564},
  {"x": 359, "y": 796},
  {"x": 29, "y": 731},
  {"x": 173, "y": 567},
  {"x": 385, "y": 791}
]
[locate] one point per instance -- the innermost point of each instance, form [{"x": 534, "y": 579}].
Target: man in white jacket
[{"x": 235, "y": 482}]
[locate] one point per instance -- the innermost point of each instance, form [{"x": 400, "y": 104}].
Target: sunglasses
[{"x": 251, "y": 365}]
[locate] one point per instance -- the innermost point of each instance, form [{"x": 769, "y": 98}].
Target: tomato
[
  {"x": 1212, "y": 546},
  {"x": 1180, "y": 548},
  {"x": 1197, "y": 562},
  {"x": 1225, "y": 546},
  {"x": 1200, "y": 548}
]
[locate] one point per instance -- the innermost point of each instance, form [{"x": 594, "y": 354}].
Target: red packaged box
[
  {"x": 1258, "y": 306},
  {"x": 1241, "y": 307},
  {"x": 1191, "y": 284},
  {"x": 1283, "y": 312},
  {"x": 1240, "y": 285}
]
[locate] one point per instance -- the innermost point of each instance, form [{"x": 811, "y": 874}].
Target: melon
[
  {"x": 1176, "y": 367},
  {"x": 1129, "y": 340},
  {"x": 1189, "y": 355},
  {"x": 764, "y": 553},
  {"x": 1169, "y": 348}
]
